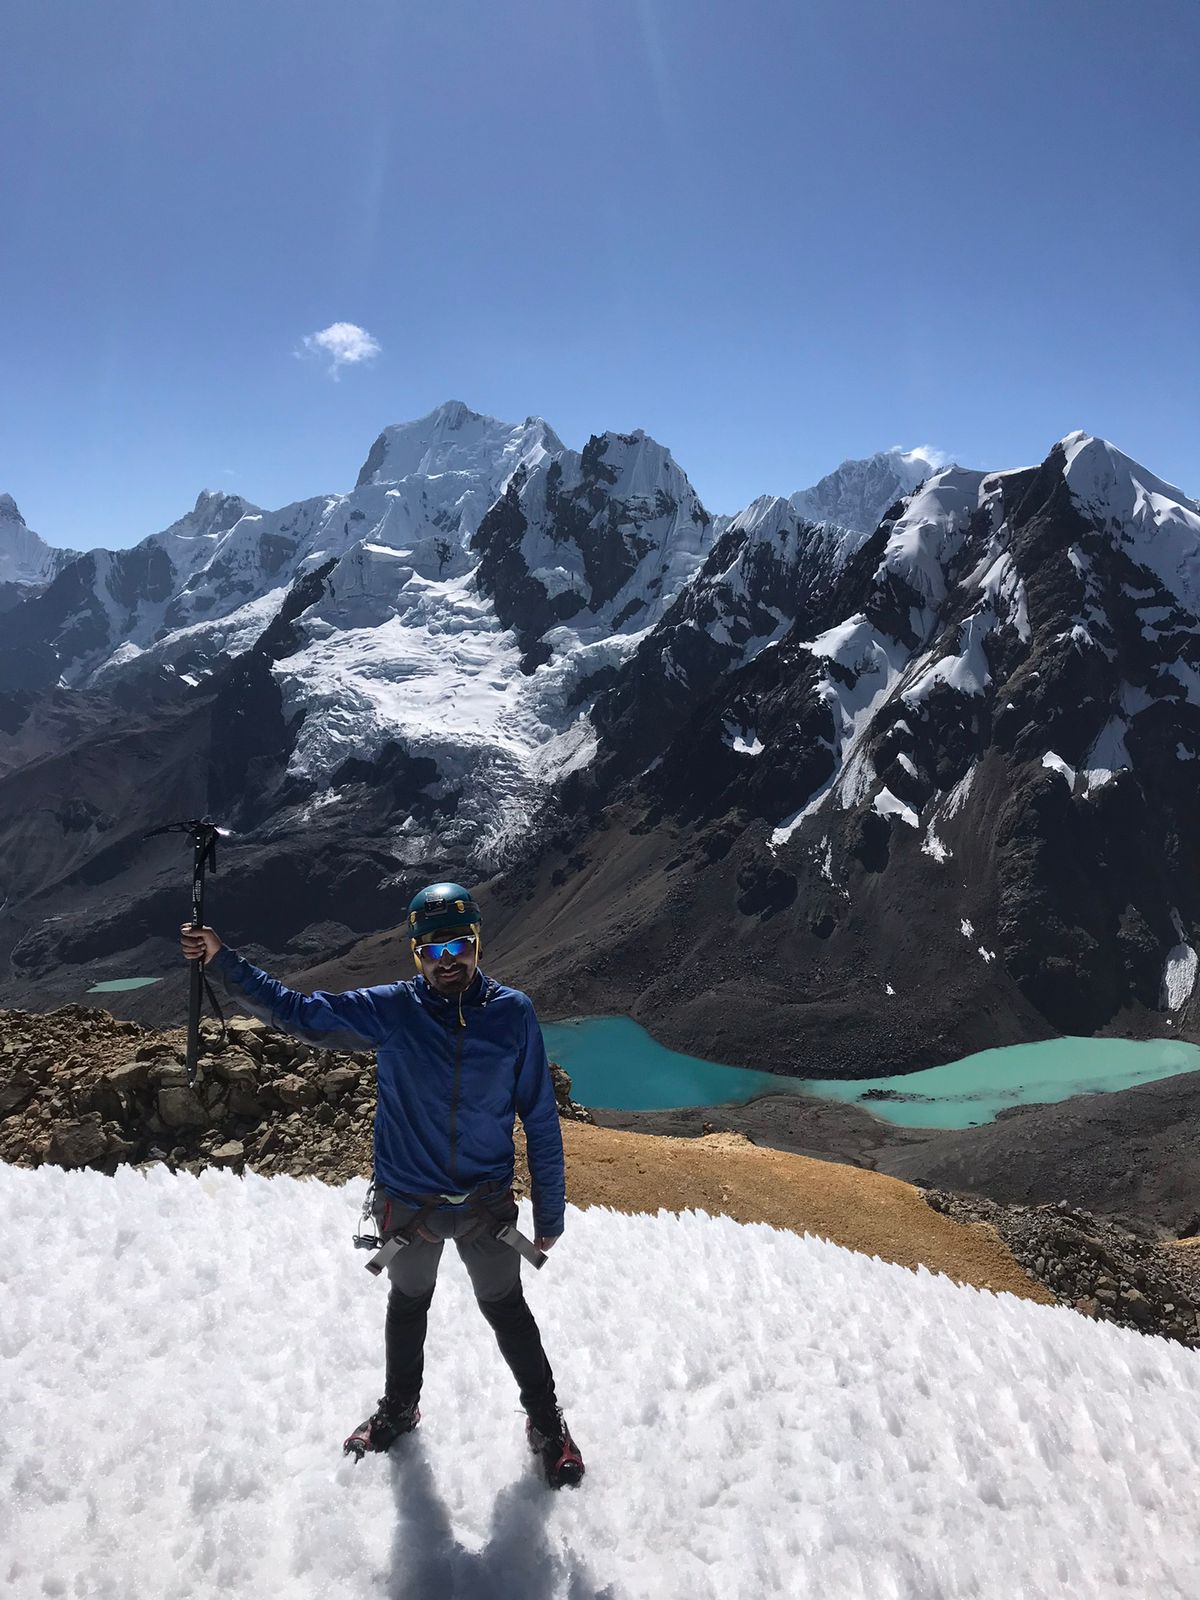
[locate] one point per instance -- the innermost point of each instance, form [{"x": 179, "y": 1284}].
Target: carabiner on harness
[{"x": 365, "y": 1237}]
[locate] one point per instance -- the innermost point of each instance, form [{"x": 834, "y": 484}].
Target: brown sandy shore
[{"x": 723, "y": 1173}]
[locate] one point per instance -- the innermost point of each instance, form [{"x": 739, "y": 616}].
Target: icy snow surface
[
  {"x": 930, "y": 532},
  {"x": 887, "y": 805},
  {"x": 745, "y": 743},
  {"x": 761, "y": 1415},
  {"x": 1156, "y": 524},
  {"x": 1179, "y": 972},
  {"x": 1055, "y": 763},
  {"x": 1179, "y": 975}
]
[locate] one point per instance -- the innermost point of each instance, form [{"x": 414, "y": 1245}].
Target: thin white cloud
[
  {"x": 345, "y": 343},
  {"x": 936, "y": 458}
]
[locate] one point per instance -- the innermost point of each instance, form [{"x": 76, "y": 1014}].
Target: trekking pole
[{"x": 203, "y": 831}]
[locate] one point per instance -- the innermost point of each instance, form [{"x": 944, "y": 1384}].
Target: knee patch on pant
[
  {"x": 500, "y": 1305},
  {"x": 407, "y": 1305}
]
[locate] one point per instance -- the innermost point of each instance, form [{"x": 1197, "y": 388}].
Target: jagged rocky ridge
[{"x": 882, "y": 795}]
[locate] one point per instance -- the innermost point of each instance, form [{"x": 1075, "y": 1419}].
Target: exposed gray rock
[
  {"x": 78, "y": 1144},
  {"x": 181, "y": 1107},
  {"x": 294, "y": 1090}
]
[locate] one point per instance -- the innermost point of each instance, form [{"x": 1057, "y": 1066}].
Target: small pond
[{"x": 119, "y": 985}]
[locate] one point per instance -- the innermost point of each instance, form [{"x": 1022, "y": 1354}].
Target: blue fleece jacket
[{"x": 450, "y": 1078}]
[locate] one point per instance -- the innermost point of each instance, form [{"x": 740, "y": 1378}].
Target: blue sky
[{"x": 773, "y": 233}]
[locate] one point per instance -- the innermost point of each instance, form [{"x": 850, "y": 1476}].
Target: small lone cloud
[
  {"x": 345, "y": 343},
  {"x": 936, "y": 458}
]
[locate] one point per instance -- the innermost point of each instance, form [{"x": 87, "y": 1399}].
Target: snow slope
[
  {"x": 856, "y": 494},
  {"x": 25, "y": 558},
  {"x": 1156, "y": 523},
  {"x": 761, "y": 1414}
]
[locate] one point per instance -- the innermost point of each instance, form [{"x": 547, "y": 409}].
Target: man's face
[{"x": 449, "y": 974}]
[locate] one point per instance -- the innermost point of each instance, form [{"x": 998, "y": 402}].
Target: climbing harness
[{"x": 388, "y": 1242}]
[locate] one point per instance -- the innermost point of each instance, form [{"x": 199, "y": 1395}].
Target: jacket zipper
[{"x": 454, "y": 1103}]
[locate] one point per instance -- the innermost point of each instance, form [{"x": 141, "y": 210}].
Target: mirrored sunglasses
[{"x": 448, "y": 947}]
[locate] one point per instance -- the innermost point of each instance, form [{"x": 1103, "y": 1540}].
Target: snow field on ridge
[{"x": 761, "y": 1413}]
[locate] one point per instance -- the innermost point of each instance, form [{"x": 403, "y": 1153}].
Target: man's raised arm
[{"x": 353, "y": 1019}]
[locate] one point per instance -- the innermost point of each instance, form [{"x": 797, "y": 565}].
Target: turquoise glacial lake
[
  {"x": 119, "y": 985},
  {"x": 615, "y": 1063}
]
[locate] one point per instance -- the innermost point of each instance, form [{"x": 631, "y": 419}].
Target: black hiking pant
[{"x": 495, "y": 1272}]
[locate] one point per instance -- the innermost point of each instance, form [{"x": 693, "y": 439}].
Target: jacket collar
[{"x": 478, "y": 992}]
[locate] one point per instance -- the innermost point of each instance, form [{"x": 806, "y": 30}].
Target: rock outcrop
[{"x": 79, "y": 1088}]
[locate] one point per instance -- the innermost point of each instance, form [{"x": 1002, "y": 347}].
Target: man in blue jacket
[{"x": 459, "y": 1055}]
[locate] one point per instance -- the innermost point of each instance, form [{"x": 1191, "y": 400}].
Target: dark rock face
[
  {"x": 600, "y": 535},
  {"x": 768, "y": 574},
  {"x": 522, "y": 603}
]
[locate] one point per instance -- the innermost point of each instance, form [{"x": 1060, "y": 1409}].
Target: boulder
[
  {"x": 16, "y": 1092},
  {"x": 239, "y": 1027},
  {"x": 130, "y": 1077},
  {"x": 76, "y": 1144},
  {"x": 248, "y": 1035},
  {"x": 339, "y": 1082},
  {"x": 245, "y": 1100},
  {"x": 235, "y": 1066},
  {"x": 296, "y": 1091},
  {"x": 181, "y": 1107},
  {"x": 117, "y": 1146},
  {"x": 167, "y": 1073},
  {"x": 231, "y": 1154},
  {"x": 102, "y": 1097}
]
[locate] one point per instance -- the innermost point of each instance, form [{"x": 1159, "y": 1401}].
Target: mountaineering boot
[
  {"x": 552, "y": 1441},
  {"x": 380, "y": 1432}
]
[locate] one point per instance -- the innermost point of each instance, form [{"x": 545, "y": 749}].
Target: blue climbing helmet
[{"x": 437, "y": 907}]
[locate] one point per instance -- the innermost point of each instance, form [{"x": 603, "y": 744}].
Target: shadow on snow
[{"x": 518, "y": 1559}]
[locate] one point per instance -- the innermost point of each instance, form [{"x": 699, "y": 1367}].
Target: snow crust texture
[{"x": 761, "y": 1414}]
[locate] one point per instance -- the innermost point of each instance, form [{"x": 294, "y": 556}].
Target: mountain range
[{"x": 883, "y": 772}]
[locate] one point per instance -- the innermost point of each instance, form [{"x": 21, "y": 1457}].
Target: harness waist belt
[{"x": 491, "y": 1187}]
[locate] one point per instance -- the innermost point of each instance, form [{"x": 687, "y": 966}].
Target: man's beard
[{"x": 456, "y": 978}]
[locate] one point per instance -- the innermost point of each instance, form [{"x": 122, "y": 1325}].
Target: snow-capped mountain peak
[
  {"x": 25, "y": 559},
  {"x": 856, "y": 494},
  {"x": 1096, "y": 470},
  {"x": 455, "y": 439},
  {"x": 1156, "y": 524},
  {"x": 634, "y": 464}
]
